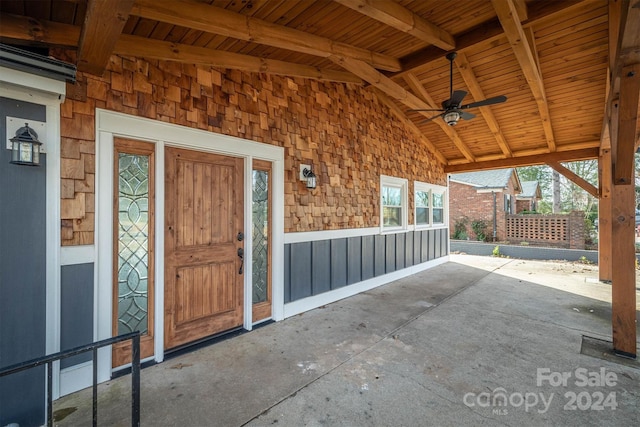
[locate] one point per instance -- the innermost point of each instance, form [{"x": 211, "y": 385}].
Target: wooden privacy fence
[{"x": 560, "y": 230}]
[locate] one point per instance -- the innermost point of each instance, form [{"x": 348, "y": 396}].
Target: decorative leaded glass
[
  {"x": 260, "y": 235},
  {"x": 133, "y": 242}
]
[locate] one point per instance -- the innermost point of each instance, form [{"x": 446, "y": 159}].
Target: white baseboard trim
[
  {"x": 309, "y": 303},
  {"x": 76, "y": 378},
  {"x": 312, "y": 236}
]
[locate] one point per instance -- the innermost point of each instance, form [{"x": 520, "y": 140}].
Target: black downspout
[{"x": 495, "y": 231}]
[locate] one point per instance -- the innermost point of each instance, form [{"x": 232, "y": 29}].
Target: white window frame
[
  {"x": 431, "y": 189},
  {"x": 403, "y": 185}
]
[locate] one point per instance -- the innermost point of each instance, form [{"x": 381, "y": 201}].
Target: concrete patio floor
[{"x": 476, "y": 341}]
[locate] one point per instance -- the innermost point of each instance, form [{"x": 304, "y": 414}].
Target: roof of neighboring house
[
  {"x": 498, "y": 178},
  {"x": 530, "y": 190}
]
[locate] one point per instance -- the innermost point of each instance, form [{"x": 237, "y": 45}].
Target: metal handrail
[{"x": 48, "y": 360}]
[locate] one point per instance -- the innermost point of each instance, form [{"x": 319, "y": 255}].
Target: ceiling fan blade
[
  {"x": 457, "y": 97},
  {"x": 417, "y": 110},
  {"x": 431, "y": 118},
  {"x": 466, "y": 116},
  {"x": 488, "y": 101},
  {"x": 455, "y": 100}
]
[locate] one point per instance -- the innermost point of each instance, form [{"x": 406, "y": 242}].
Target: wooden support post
[
  {"x": 604, "y": 216},
  {"x": 623, "y": 142},
  {"x": 623, "y": 274}
]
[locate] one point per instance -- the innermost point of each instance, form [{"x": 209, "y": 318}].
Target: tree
[
  {"x": 556, "y": 191},
  {"x": 573, "y": 197},
  {"x": 542, "y": 174}
]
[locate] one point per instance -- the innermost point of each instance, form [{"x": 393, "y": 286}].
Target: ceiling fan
[{"x": 452, "y": 109}]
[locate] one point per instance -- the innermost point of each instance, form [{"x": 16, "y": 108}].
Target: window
[
  {"x": 507, "y": 203},
  {"x": 430, "y": 204},
  {"x": 422, "y": 207},
  {"x": 438, "y": 208},
  {"x": 393, "y": 203}
]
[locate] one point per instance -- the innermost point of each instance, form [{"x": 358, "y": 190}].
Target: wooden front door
[{"x": 204, "y": 215}]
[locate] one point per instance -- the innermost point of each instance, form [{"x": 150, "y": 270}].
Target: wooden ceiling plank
[
  {"x": 464, "y": 68},
  {"x": 400, "y": 18},
  {"x": 531, "y": 160},
  {"x": 508, "y": 17},
  {"x": 137, "y": 46},
  {"x": 420, "y": 90},
  {"x": 23, "y": 28},
  {"x": 575, "y": 178},
  {"x": 484, "y": 33},
  {"x": 102, "y": 26},
  {"x": 403, "y": 118},
  {"x": 194, "y": 15}
]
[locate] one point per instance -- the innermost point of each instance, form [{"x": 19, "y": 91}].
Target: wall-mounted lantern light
[
  {"x": 307, "y": 175},
  {"x": 25, "y": 147}
]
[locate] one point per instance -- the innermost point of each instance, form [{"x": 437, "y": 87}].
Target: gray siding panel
[
  {"x": 444, "y": 238},
  {"x": 368, "y": 259},
  {"x": 320, "y": 266},
  {"x": 380, "y": 252},
  {"x": 390, "y": 253},
  {"x": 287, "y": 273},
  {"x": 76, "y": 310},
  {"x": 417, "y": 247},
  {"x": 400, "y": 249},
  {"x": 354, "y": 260},
  {"x": 22, "y": 274},
  {"x": 312, "y": 268},
  {"x": 300, "y": 270},
  {"x": 408, "y": 249},
  {"x": 425, "y": 245},
  {"x": 438, "y": 245},
  {"x": 338, "y": 263},
  {"x": 432, "y": 245}
]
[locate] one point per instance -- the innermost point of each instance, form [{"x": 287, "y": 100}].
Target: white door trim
[
  {"x": 110, "y": 124},
  {"x": 50, "y": 93}
]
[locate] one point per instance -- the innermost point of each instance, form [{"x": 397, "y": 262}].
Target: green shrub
[
  {"x": 480, "y": 229},
  {"x": 496, "y": 251},
  {"x": 460, "y": 228}
]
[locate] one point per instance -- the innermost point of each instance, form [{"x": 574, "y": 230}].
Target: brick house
[
  {"x": 483, "y": 196},
  {"x": 528, "y": 199}
]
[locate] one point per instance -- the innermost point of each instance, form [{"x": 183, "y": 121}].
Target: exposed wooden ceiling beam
[
  {"x": 614, "y": 11},
  {"x": 575, "y": 178},
  {"x": 403, "y": 118},
  {"x": 469, "y": 78},
  {"x": 419, "y": 89},
  {"x": 538, "y": 159},
  {"x": 103, "y": 23},
  {"x": 521, "y": 8},
  {"x": 622, "y": 119},
  {"x": 508, "y": 16},
  {"x": 204, "y": 17},
  {"x": 147, "y": 48},
  {"x": 402, "y": 19},
  {"x": 483, "y": 33},
  {"x": 23, "y": 28}
]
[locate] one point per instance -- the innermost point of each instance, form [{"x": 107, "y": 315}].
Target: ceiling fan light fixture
[{"x": 452, "y": 118}]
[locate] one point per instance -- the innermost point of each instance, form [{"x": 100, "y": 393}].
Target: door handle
[{"x": 241, "y": 256}]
